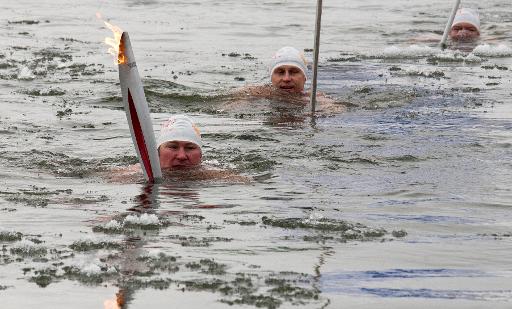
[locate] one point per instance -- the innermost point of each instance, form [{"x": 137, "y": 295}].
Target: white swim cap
[
  {"x": 289, "y": 56},
  {"x": 179, "y": 128},
  {"x": 465, "y": 15}
]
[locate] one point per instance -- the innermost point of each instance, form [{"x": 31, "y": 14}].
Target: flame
[
  {"x": 115, "y": 41},
  {"x": 110, "y": 304},
  {"x": 116, "y": 303}
]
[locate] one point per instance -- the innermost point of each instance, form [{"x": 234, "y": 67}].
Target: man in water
[
  {"x": 465, "y": 26},
  {"x": 288, "y": 75},
  {"x": 179, "y": 144},
  {"x": 465, "y": 29},
  {"x": 180, "y": 154}
]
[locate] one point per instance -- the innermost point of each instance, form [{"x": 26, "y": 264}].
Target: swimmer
[
  {"x": 288, "y": 68},
  {"x": 288, "y": 74},
  {"x": 180, "y": 154},
  {"x": 465, "y": 29},
  {"x": 465, "y": 26}
]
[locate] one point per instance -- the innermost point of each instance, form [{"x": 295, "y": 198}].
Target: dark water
[{"x": 402, "y": 200}]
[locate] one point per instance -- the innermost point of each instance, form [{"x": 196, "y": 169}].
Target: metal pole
[
  {"x": 315, "y": 54},
  {"x": 449, "y": 24}
]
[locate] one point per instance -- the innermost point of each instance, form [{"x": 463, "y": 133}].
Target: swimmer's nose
[
  {"x": 181, "y": 155},
  {"x": 287, "y": 76}
]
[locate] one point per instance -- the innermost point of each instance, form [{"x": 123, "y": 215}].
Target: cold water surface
[{"x": 402, "y": 200}]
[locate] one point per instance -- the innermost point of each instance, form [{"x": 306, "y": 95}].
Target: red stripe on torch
[{"x": 139, "y": 137}]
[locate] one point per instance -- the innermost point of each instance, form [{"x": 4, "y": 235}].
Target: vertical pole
[
  {"x": 316, "y": 52},
  {"x": 449, "y": 24}
]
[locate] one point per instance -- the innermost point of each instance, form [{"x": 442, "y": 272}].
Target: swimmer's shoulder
[
  {"x": 252, "y": 91},
  {"x": 426, "y": 38},
  {"x": 328, "y": 105},
  {"x": 125, "y": 174},
  {"x": 225, "y": 176}
]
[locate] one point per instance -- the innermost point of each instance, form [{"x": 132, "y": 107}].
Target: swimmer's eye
[
  {"x": 459, "y": 28},
  {"x": 294, "y": 71},
  {"x": 172, "y": 146},
  {"x": 190, "y": 147},
  {"x": 280, "y": 71}
]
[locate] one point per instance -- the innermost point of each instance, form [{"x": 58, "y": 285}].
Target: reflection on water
[
  {"x": 129, "y": 258},
  {"x": 148, "y": 199}
]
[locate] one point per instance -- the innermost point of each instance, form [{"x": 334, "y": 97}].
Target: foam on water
[
  {"x": 412, "y": 51},
  {"x": 423, "y": 51},
  {"x": 25, "y": 74},
  {"x": 29, "y": 248},
  {"x": 420, "y": 51},
  {"x": 113, "y": 225},
  {"x": 473, "y": 58},
  {"x": 487, "y": 50},
  {"x": 93, "y": 268},
  {"x": 144, "y": 219}
]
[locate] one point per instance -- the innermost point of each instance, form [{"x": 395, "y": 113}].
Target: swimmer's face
[
  {"x": 464, "y": 32},
  {"x": 179, "y": 155},
  {"x": 288, "y": 78}
]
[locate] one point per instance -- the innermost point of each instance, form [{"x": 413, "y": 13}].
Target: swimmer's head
[
  {"x": 288, "y": 70},
  {"x": 179, "y": 143},
  {"x": 466, "y": 25}
]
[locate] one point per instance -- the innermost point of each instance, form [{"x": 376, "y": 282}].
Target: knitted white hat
[
  {"x": 289, "y": 56},
  {"x": 179, "y": 128},
  {"x": 465, "y": 15}
]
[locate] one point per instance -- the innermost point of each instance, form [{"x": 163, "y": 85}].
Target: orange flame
[
  {"x": 110, "y": 304},
  {"x": 115, "y": 41},
  {"x": 115, "y": 303}
]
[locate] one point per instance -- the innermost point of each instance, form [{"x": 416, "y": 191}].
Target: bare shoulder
[
  {"x": 127, "y": 174},
  {"x": 493, "y": 39},
  {"x": 327, "y": 105},
  {"x": 282, "y": 99},
  {"x": 225, "y": 176},
  {"x": 240, "y": 97},
  {"x": 259, "y": 91},
  {"x": 426, "y": 38}
]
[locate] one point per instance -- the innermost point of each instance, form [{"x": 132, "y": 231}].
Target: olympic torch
[
  {"x": 135, "y": 104},
  {"x": 137, "y": 111}
]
